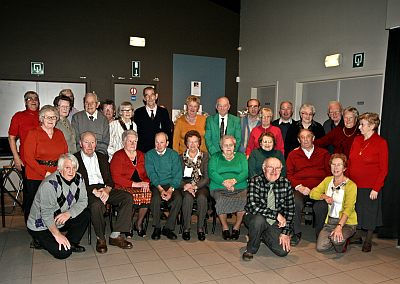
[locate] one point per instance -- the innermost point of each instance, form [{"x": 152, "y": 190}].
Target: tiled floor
[{"x": 211, "y": 261}]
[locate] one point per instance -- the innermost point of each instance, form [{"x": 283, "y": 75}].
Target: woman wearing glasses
[
  {"x": 43, "y": 146},
  {"x": 340, "y": 193},
  {"x": 118, "y": 126}
]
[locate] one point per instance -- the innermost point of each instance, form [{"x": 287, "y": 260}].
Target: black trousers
[
  {"x": 74, "y": 228},
  {"x": 30, "y": 188},
  {"x": 119, "y": 198},
  {"x": 320, "y": 208},
  {"x": 260, "y": 230},
  {"x": 175, "y": 204},
  {"x": 187, "y": 207}
]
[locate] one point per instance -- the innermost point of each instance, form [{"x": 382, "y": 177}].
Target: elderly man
[
  {"x": 164, "y": 168},
  {"x": 249, "y": 121},
  {"x": 307, "y": 166},
  {"x": 59, "y": 214},
  {"x": 70, "y": 94},
  {"x": 94, "y": 168},
  {"x": 269, "y": 210},
  {"x": 151, "y": 119},
  {"x": 285, "y": 120},
  {"x": 335, "y": 112},
  {"x": 94, "y": 121},
  {"x": 222, "y": 124}
]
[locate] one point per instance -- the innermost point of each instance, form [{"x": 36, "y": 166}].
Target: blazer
[
  {"x": 104, "y": 170},
  {"x": 212, "y": 132},
  {"x": 204, "y": 180}
]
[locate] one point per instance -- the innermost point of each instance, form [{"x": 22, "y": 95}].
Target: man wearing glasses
[
  {"x": 94, "y": 121},
  {"x": 269, "y": 210},
  {"x": 335, "y": 110},
  {"x": 248, "y": 121}
]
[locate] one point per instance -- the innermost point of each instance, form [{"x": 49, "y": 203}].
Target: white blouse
[{"x": 116, "y": 131}]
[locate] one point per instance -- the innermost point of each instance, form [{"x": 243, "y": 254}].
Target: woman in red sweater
[
  {"x": 43, "y": 146},
  {"x": 368, "y": 167},
  {"x": 129, "y": 174}
]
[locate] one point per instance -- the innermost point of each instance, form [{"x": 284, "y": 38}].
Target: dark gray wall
[{"x": 91, "y": 39}]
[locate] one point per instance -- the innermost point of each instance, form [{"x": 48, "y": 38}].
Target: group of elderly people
[{"x": 265, "y": 185}]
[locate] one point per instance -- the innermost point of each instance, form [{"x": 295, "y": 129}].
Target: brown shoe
[
  {"x": 120, "y": 242},
  {"x": 101, "y": 246}
]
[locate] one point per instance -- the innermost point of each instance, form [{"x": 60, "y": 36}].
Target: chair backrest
[{"x": 5, "y": 150}]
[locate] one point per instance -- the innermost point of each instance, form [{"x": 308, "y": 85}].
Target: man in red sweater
[{"x": 307, "y": 166}]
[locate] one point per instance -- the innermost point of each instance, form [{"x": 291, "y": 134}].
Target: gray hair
[
  {"x": 47, "y": 108},
  {"x": 67, "y": 156},
  {"x": 353, "y": 110},
  {"x": 29, "y": 93},
  {"x": 335, "y": 103},
  {"x": 226, "y": 137},
  {"x": 126, "y": 133},
  {"x": 126, "y": 104},
  {"x": 90, "y": 94},
  {"x": 268, "y": 159},
  {"x": 303, "y": 106}
]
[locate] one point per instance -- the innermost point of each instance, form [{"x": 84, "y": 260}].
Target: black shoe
[
  {"x": 235, "y": 234},
  {"x": 77, "y": 248},
  {"x": 247, "y": 256},
  {"x": 186, "y": 236},
  {"x": 35, "y": 245},
  {"x": 129, "y": 234},
  {"x": 156, "y": 235},
  {"x": 169, "y": 234},
  {"x": 226, "y": 235},
  {"x": 141, "y": 232},
  {"x": 366, "y": 246},
  {"x": 295, "y": 240},
  {"x": 356, "y": 241},
  {"x": 201, "y": 236}
]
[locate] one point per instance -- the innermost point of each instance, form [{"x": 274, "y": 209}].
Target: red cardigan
[
  {"x": 39, "y": 146},
  {"x": 257, "y": 131},
  {"x": 369, "y": 169},
  {"x": 341, "y": 143},
  {"x": 308, "y": 172},
  {"x": 122, "y": 168}
]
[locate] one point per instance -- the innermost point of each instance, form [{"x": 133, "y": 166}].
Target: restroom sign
[
  {"x": 37, "y": 68},
  {"x": 358, "y": 59}
]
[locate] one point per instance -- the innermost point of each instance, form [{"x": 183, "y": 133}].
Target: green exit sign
[
  {"x": 358, "y": 59},
  {"x": 37, "y": 68}
]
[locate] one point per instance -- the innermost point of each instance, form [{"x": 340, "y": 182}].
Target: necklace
[
  {"x": 344, "y": 132},
  {"x": 191, "y": 121},
  {"x": 362, "y": 149}
]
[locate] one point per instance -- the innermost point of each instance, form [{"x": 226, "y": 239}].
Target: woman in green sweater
[
  {"x": 228, "y": 171},
  {"x": 340, "y": 193},
  {"x": 257, "y": 156}
]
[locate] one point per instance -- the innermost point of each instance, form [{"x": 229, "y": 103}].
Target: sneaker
[{"x": 247, "y": 256}]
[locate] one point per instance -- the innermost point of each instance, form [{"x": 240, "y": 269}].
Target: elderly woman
[
  {"x": 189, "y": 121},
  {"x": 266, "y": 126},
  {"x": 341, "y": 138},
  {"x": 128, "y": 173},
  {"x": 194, "y": 184},
  {"x": 43, "y": 146},
  {"x": 117, "y": 127},
  {"x": 257, "y": 157},
  {"x": 228, "y": 171},
  {"x": 340, "y": 194},
  {"x": 307, "y": 112},
  {"x": 368, "y": 167},
  {"x": 63, "y": 105},
  {"x": 56, "y": 221}
]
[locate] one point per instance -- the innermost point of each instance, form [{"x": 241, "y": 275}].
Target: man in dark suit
[
  {"x": 94, "y": 168},
  {"x": 151, "y": 119},
  {"x": 222, "y": 124}
]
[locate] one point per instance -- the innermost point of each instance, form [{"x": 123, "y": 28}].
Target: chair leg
[{"x": 90, "y": 231}]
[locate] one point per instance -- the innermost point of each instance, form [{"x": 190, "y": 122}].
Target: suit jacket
[
  {"x": 104, "y": 170},
  {"x": 212, "y": 132},
  {"x": 81, "y": 123},
  {"x": 204, "y": 180},
  {"x": 147, "y": 128}
]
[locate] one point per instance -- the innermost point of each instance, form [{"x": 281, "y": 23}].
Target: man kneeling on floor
[
  {"x": 269, "y": 210},
  {"x": 59, "y": 214}
]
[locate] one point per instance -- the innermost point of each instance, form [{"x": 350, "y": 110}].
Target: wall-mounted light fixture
[
  {"x": 333, "y": 60},
  {"x": 137, "y": 41}
]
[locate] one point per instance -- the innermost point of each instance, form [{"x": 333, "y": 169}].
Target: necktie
[
  {"x": 222, "y": 128},
  {"x": 152, "y": 114},
  {"x": 91, "y": 117}
]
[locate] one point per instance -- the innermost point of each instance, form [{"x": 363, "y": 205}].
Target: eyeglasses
[
  {"x": 272, "y": 169},
  {"x": 91, "y": 104},
  {"x": 36, "y": 99},
  {"x": 50, "y": 117},
  {"x": 307, "y": 113},
  {"x": 126, "y": 110},
  {"x": 334, "y": 112}
]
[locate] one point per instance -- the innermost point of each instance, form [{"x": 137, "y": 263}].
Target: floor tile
[
  {"x": 340, "y": 278},
  {"x": 164, "y": 278},
  {"x": 170, "y": 252},
  {"x": 112, "y": 259},
  {"x": 320, "y": 268},
  {"x": 274, "y": 262},
  {"x": 247, "y": 267},
  {"x": 197, "y": 248},
  {"x": 294, "y": 273},
  {"x": 150, "y": 267},
  {"x": 193, "y": 275},
  {"x": 76, "y": 264},
  {"x": 224, "y": 270},
  {"x": 235, "y": 280},
  {"x": 118, "y": 272},
  {"x": 60, "y": 278},
  {"x": 131, "y": 280},
  {"x": 267, "y": 277},
  {"x": 300, "y": 257},
  {"x": 387, "y": 269},
  {"x": 142, "y": 256},
  {"x": 365, "y": 275},
  {"x": 85, "y": 276},
  {"x": 181, "y": 263},
  {"x": 48, "y": 268},
  {"x": 17, "y": 281},
  {"x": 209, "y": 259}
]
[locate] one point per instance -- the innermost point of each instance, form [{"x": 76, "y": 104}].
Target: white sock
[{"x": 115, "y": 235}]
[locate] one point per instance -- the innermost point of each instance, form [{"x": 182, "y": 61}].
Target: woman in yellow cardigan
[{"x": 340, "y": 193}]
